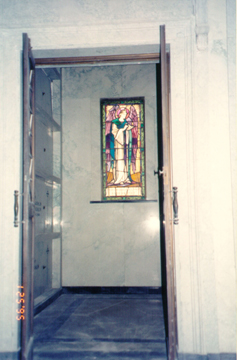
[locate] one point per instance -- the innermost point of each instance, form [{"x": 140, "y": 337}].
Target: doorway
[{"x": 53, "y": 181}]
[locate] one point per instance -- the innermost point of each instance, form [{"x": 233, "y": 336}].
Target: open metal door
[
  {"x": 167, "y": 195},
  {"x": 28, "y": 200}
]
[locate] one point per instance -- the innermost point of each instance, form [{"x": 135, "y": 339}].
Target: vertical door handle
[
  {"x": 16, "y": 207},
  {"x": 175, "y": 205}
]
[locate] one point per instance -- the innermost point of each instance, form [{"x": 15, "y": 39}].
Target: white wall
[
  {"x": 10, "y": 180},
  {"x": 106, "y": 244},
  {"x": 202, "y": 118}
]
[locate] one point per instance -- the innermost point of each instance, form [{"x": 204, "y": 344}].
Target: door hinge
[{"x": 31, "y": 209}]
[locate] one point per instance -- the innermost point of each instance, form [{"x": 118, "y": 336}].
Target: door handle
[
  {"x": 16, "y": 207},
  {"x": 175, "y": 206}
]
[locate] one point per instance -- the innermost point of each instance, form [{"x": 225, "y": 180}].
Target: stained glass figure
[{"x": 123, "y": 149}]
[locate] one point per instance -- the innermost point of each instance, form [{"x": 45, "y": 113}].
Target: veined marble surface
[
  {"x": 101, "y": 326},
  {"x": 106, "y": 244}
]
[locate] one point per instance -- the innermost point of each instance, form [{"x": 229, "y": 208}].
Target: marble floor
[{"x": 98, "y": 326}]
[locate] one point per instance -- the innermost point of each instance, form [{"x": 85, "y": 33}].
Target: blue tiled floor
[{"x": 110, "y": 327}]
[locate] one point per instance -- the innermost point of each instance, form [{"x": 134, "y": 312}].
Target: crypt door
[
  {"x": 168, "y": 196},
  {"x": 41, "y": 264}
]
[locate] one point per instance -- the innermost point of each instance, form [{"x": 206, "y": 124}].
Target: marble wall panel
[
  {"x": 43, "y": 207},
  {"x": 56, "y": 263},
  {"x": 151, "y": 147},
  {"x": 85, "y": 235},
  {"x": 43, "y": 149},
  {"x": 57, "y": 154},
  {"x": 44, "y": 193},
  {"x": 42, "y": 265},
  {"x": 43, "y": 91},
  {"x": 56, "y": 207},
  {"x": 39, "y": 203},
  {"x": 56, "y": 100},
  {"x": 103, "y": 245},
  {"x": 141, "y": 227}
]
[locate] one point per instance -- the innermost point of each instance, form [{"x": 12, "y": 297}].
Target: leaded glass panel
[{"x": 123, "y": 149}]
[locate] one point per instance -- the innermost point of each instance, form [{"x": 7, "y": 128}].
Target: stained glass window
[{"x": 123, "y": 149}]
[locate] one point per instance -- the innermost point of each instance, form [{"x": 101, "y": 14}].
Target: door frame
[
  {"x": 154, "y": 58},
  {"x": 28, "y": 201}
]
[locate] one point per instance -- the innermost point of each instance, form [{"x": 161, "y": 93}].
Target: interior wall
[{"x": 112, "y": 244}]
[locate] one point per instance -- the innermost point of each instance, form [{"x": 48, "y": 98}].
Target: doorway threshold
[
  {"x": 45, "y": 299},
  {"x": 113, "y": 290}
]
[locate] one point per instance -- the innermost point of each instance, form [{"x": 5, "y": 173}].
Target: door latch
[{"x": 159, "y": 172}]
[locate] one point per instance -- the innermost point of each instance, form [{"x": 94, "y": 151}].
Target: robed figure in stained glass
[
  {"x": 123, "y": 149},
  {"x": 121, "y": 143}
]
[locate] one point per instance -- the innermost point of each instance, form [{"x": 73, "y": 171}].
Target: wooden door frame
[
  {"x": 126, "y": 59},
  {"x": 167, "y": 192},
  {"x": 28, "y": 200}
]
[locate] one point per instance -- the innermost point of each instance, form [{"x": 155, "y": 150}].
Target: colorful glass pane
[{"x": 123, "y": 159}]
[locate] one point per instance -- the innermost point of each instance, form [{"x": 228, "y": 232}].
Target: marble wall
[
  {"x": 47, "y": 248},
  {"x": 43, "y": 189},
  {"x": 106, "y": 244}
]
